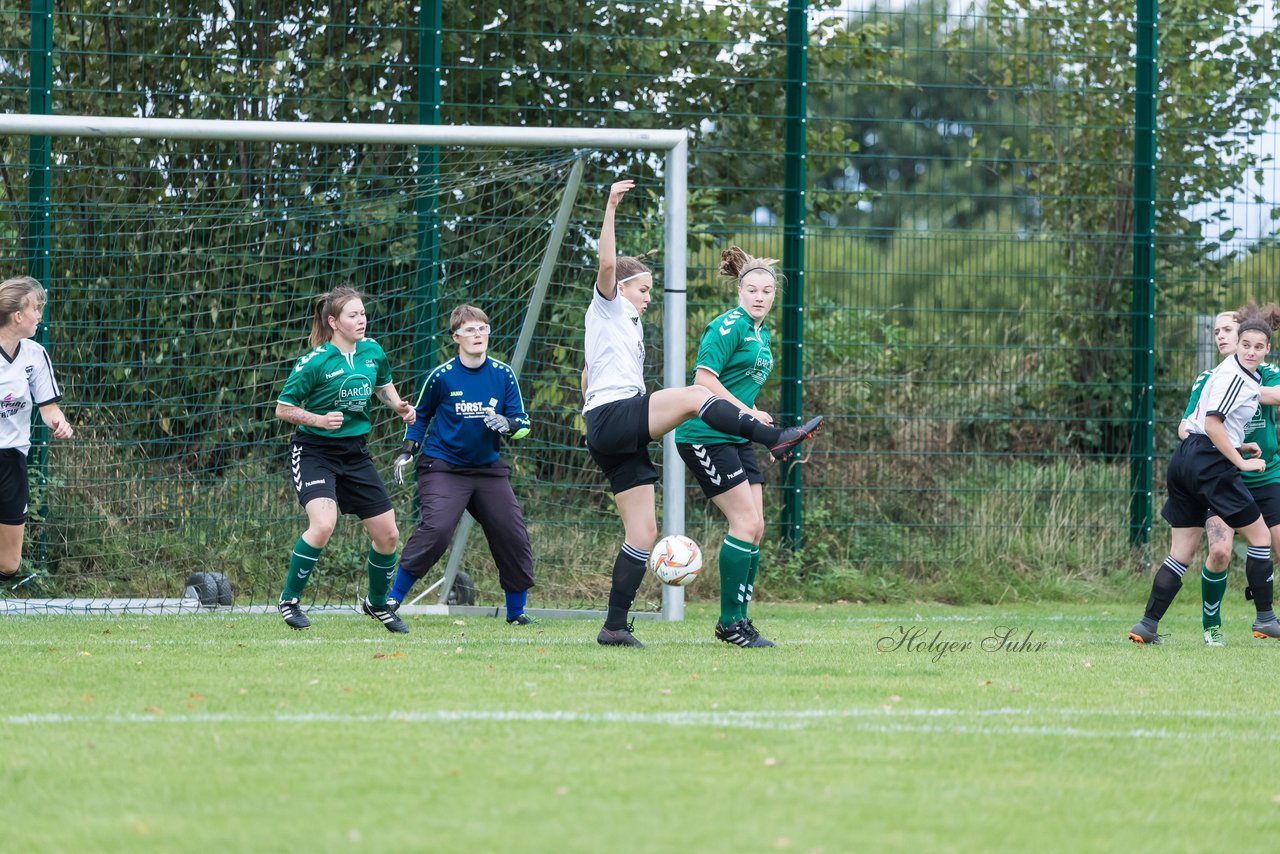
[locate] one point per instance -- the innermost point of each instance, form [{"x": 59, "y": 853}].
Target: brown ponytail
[
  {"x": 1268, "y": 314},
  {"x": 736, "y": 264}
]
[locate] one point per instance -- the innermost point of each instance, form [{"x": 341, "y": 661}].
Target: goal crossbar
[{"x": 339, "y": 132}]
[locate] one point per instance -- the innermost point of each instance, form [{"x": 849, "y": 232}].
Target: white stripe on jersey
[
  {"x": 614, "y": 350},
  {"x": 26, "y": 382},
  {"x": 1232, "y": 394}
]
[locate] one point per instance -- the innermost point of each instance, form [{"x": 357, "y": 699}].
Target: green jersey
[
  {"x": 737, "y": 352},
  {"x": 328, "y": 380},
  {"x": 1261, "y": 428}
]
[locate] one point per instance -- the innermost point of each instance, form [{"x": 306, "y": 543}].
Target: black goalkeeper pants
[{"x": 487, "y": 495}]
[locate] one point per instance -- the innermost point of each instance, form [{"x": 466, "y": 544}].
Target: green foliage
[
  {"x": 1069, "y": 66},
  {"x": 970, "y": 298},
  {"x": 922, "y": 147}
]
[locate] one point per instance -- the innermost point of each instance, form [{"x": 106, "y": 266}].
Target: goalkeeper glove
[
  {"x": 500, "y": 424},
  {"x": 404, "y": 460}
]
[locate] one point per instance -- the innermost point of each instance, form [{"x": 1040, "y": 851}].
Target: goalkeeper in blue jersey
[{"x": 471, "y": 403}]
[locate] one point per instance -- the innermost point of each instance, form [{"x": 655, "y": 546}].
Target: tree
[
  {"x": 927, "y": 141},
  {"x": 1069, "y": 66},
  {"x": 717, "y": 72}
]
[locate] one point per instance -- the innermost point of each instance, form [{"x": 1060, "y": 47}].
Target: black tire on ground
[
  {"x": 463, "y": 592},
  {"x": 203, "y": 587},
  {"x": 223, "y": 584}
]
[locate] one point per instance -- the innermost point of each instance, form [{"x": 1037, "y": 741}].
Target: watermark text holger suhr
[{"x": 919, "y": 639}]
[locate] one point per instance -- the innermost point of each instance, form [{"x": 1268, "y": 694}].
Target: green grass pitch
[{"x": 869, "y": 728}]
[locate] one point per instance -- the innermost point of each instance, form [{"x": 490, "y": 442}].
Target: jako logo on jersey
[{"x": 455, "y": 394}]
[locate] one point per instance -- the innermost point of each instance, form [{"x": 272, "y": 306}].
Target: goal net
[{"x": 184, "y": 259}]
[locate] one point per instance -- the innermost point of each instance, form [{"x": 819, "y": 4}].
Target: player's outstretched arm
[
  {"x": 55, "y": 420},
  {"x": 607, "y": 276}
]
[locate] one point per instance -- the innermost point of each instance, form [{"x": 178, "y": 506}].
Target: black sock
[
  {"x": 1164, "y": 587},
  {"x": 628, "y": 572},
  {"x": 1259, "y": 576},
  {"x": 724, "y": 416}
]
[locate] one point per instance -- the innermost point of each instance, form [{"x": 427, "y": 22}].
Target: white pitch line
[
  {"x": 1213, "y": 736},
  {"x": 1029, "y": 619},
  {"x": 943, "y": 721},
  {"x": 665, "y": 719}
]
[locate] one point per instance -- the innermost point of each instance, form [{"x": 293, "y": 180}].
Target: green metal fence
[{"x": 999, "y": 223}]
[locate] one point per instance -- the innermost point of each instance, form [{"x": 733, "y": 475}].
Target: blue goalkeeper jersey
[{"x": 451, "y": 412}]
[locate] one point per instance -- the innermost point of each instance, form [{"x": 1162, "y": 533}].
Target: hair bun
[{"x": 733, "y": 261}]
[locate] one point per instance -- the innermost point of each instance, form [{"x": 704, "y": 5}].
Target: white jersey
[
  {"x": 615, "y": 350},
  {"x": 26, "y": 378},
  {"x": 1232, "y": 394}
]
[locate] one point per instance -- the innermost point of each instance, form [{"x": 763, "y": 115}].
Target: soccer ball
[{"x": 676, "y": 560}]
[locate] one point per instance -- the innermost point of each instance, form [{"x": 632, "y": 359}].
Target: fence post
[
  {"x": 39, "y": 267},
  {"x": 1144, "y": 284},
  {"x": 430, "y": 35},
  {"x": 1207, "y": 356},
  {"x": 793, "y": 261}
]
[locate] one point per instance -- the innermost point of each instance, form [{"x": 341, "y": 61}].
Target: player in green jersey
[
  {"x": 327, "y": 396},
  {"x": 734, "y": 360},
  {"x": 1264, "y": 485}
]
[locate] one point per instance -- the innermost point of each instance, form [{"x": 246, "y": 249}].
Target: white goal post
[{"x": 671, "y": 144}]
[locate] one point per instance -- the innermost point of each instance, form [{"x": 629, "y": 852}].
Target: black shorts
[
  {"x": 337, "y": 468},
  {"x": 618, "y": 439},
  {"x": 15, "y": 491},
  {"x": 1202, "y": 481},
  {"x": 721, "y": 466},
  {"x": 1267, "y": 497}
]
